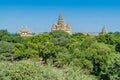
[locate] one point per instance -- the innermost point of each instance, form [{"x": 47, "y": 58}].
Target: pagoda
[
  {"x": 24, "y": 31},
  {"x": 61, "y": 25},
  {"x": 104, "y": 30}
]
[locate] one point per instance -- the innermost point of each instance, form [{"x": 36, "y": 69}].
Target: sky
[{"x": 39, "y": 15}]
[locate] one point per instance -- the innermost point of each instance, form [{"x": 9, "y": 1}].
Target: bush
[
  {"x": 6, "y": 50},
  {"x": 29, "y": 70}
]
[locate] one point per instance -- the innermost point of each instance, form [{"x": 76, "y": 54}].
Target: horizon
[{"x": 39, "y": 15}]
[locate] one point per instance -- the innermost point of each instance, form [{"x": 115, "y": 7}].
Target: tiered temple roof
[{"x": 24, "y": 31}]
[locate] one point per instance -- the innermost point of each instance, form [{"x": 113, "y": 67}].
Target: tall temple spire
[
  {"x": 104, "y": 30},
  {"x": 60, "y": 20},
  {"x": 61, "y": 25}
]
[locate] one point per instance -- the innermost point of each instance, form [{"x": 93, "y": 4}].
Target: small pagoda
[
  {"x": 24, "y": 31},
  {"x": 104, "y": 30}
]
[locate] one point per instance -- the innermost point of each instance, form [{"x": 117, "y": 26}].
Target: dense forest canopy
[{"x": 98, "y": 56}]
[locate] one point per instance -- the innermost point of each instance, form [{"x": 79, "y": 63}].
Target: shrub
[{"x": 29, "y": 70}]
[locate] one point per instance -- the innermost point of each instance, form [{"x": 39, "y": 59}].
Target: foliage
[
  {"x": 99, "y": 53},
  {"x": 107, "y": 39},
  {"x": 79, "y": 36},
  {"x": 59, "y": 38},
  {"x": 117, "y": 47},
  {"x": 29, "y": 70},
  {"x": 6, "y": 50},
  {"x": 40, "y": 38},
  {"x": 74, "y": 57},
  {"x": 46, "y": 51},
  {"x": 114, "y": 67}
]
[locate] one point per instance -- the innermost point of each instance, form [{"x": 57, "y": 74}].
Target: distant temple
[
  {"x": 104, "y": 30},
  {"x": 24, "y": 31},
  {"x": 61, "y": 25}
]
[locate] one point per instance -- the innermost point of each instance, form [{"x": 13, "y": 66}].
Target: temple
[
  {"x": 61, "y": 25},
  {"x": 24, "y": 31},
  {"x": 104, "y": 30}
]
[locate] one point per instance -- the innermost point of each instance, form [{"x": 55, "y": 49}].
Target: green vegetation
[
  {"x": 59, "y": 56},
  {"x": 30, "y": 70}
]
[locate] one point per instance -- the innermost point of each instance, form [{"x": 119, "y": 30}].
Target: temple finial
[{"x": 60, "y": 20}]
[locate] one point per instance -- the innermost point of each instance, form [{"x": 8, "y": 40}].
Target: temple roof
[
  {"x": 61, "y": 25},
  {"x": 60, "y": 20},
  {"x": 24, "y": 29}
]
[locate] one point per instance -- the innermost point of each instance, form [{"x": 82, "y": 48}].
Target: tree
[
  {"x": 46, "y": 51},
  {"x": 6, "y": 50},
  {"x": 3, "y": 33},
  {"x": 59, "y": 37},
  {"x": 117, "y": 47},
  {"x": 40, "y": 38},
  {"x": 79, "y": 36},
  {"x": 99, "y": 54},
  {"x": 87, "y": 43},
  {"x": 14, "y": 38},
  {"x": 19, "y": 51},
  {"x": 114, "y": 67},
  {"x": 62, "y": 57},
  {"x": 107, "y": 39}
]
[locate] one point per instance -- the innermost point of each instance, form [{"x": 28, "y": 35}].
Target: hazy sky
[{"x": 39, "y": 15}]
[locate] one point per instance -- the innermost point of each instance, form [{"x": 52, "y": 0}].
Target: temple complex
[
  {"x": 24, "y": 31},
  {"x": 61, "y": 25}
]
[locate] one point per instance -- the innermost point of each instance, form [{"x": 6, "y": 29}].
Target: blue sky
[{"x": 39, "y": 15}]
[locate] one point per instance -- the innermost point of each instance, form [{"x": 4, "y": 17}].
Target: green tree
[
  {"x": 40, "y": 38},
  {"x": 46, "y": 51},
  {"x": 114, "y": 67},
  {"x": 14, "y": 38},
  {"x": 19, "y": 51},
  {"x": 117, "y": 47},
  {"x": 107, "y": 39},
  {"x": 6, "y": 50},
  {"x": 3, "y": 33},
  {"x": 60, "y": 38},
  {"x": 87, "y": 43},
  {"x": 99, "y": 54},
  {"x": 79, "y": 36},
  {"x": 62, "y": 57}
]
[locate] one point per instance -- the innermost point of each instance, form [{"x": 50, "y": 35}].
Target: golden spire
[{"x": 60, "y": 20}]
